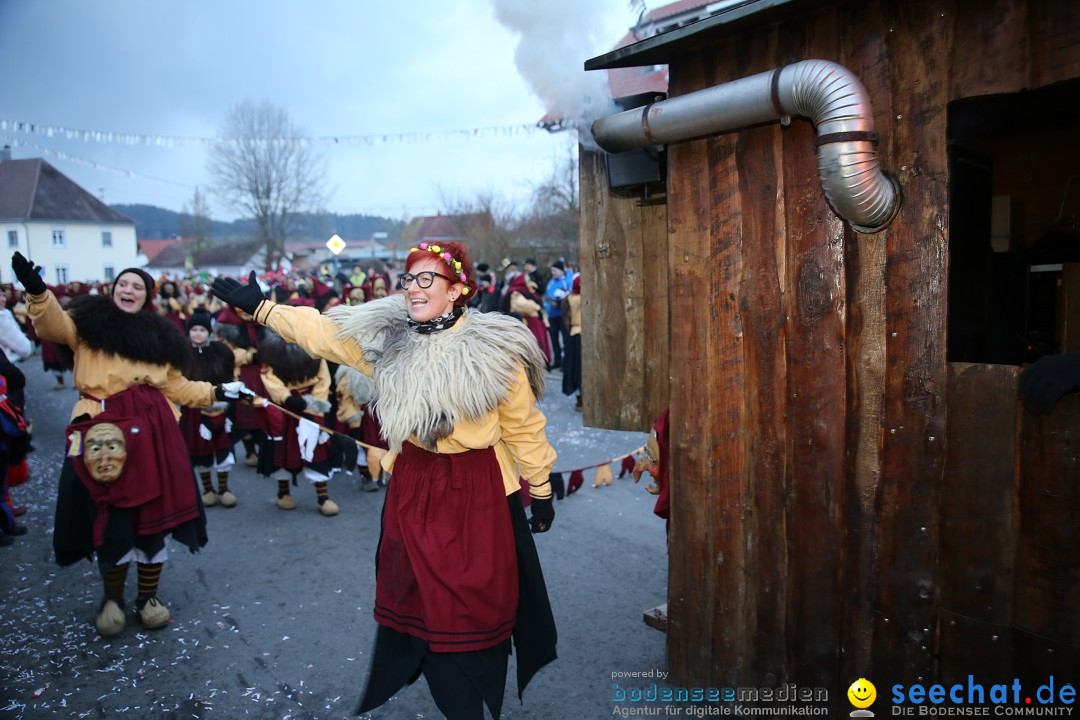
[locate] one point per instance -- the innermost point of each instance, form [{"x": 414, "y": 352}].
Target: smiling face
[
  {"x": 129, "y": 292},
  {"x": 105, "y": 452},
  {"x": 429, "y": 303},
  {"x": 862, "y": 693}
]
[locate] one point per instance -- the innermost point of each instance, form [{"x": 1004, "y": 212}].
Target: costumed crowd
[{"x": 423, "y": 381}]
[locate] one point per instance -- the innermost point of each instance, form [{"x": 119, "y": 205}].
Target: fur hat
[{"x": 201, "y": 319}]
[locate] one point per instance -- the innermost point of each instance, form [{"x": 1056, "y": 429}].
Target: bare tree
[
  {"x": 264, "y": 168},
  {"x": 550, "y": 227},
  {"x": 195, "y": 223},
  {"x": 486, "y": 222}
]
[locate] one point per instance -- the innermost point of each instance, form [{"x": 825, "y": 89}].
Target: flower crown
[{"x": 446, "y": 257}]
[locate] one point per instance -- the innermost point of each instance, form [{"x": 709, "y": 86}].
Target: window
[
  {"x": 13, "y": 238},
  {"x": 61, "y": 274},
  {"x": 106, "y": 238},
  {"x": 110, "y": 273},
  {"x": 58, "y": 240}
]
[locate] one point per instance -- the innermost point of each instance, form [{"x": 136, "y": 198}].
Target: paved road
[{"x": 272, "y": 620}]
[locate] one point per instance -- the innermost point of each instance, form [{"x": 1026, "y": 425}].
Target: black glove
[
  {"x": 295, "y": 404},
  {"x": 246, "y": 297},
  {"x": 543, "y": 514},
  {"x": 28, "y": 274},
  {"x": 1044, "y": 382}
]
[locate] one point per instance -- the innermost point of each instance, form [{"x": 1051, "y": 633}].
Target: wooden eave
[{"x": 660, "y": 49}]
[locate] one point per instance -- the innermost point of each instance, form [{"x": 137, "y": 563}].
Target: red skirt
[
  {"x": 191, "y": 419},
  {"x": 447, "y": 567},
  {"x": 287, "y": 450},
  {"x": 249, "y": 417}
]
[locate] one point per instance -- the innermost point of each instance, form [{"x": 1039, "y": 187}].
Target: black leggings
[
  {"x": 455, "y": 690},
  {"x": 460, "y": 683}
]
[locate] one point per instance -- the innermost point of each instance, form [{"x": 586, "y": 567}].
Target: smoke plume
[{"x": 556, "y": 37}]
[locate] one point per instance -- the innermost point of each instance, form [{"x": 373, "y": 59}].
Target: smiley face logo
[{"x": 862, "y": 693}]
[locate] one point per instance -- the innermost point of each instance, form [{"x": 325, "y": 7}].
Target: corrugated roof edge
[{"x": 659, "y": 49}]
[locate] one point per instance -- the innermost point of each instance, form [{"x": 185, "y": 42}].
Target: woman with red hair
[{"x": 457, "y": 573}]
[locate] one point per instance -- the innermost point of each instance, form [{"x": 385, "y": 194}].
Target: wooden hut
[{"x": 857, "y": 490}]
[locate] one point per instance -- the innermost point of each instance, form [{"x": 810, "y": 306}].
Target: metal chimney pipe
[{"x": 827, "y": 93}]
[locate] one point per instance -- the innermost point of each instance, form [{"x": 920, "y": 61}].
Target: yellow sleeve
[
  {"x": 50, "y": 320},
  {"x": 242, "y": 356},
  {"x": 322, "y": 383},
  {"x": 348, "y": 411},
  {"x": 523, "y": 432},
  {"x": 311, "y": 330},
  {"x": 189, "y": 393},
  {"x": 523, "y": 305},
  {"x": 275, "y": 388}
]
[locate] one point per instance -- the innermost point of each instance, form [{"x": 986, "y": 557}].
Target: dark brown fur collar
[
  {"x": 141, "y": 337},
  {"x": 212, "y": 362}
]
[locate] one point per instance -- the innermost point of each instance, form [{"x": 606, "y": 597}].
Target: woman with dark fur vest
[
  {"x": 299, "y": 383},
  {"x": 126, "y": 482},
  {"x": 206, "y": 430},
  {"x": 457, "y": 572}
]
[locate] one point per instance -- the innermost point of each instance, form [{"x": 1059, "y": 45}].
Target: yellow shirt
[
  {"x": 280, "y": 391},
  {"x": 101, "y": 375},
  {"x": 516, "y": 429}
]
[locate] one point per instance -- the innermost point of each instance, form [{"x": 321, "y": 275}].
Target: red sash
[{"x": 156, "y": 482}]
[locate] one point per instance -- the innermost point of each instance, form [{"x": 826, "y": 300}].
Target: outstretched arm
[{"x": 304, "y": 326}]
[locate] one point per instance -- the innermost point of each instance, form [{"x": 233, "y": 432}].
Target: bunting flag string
[
  {"x": 605, "y": 463},
  {"x": 173, "y": 141},
  {"x": 602, "y": 477},
  {"x": 90, "y": 163}
]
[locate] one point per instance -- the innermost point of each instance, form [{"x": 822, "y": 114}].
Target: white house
[{"x": 60, "y": 226}]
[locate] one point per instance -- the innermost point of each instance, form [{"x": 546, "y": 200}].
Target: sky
[{"x": 417, "y": 107}]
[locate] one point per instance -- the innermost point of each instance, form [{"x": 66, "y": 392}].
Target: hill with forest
[{"x": 153, "y": 222}]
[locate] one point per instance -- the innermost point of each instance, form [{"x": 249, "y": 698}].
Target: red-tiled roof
[
  {"x": 679, "y": 6},
  {"x": 218, "y": 251},
  {"x": 153, "y": 247},
  {"x": 32, "y": 189}
]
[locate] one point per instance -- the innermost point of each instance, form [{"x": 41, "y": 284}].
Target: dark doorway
[{"x": 1014, "y": 197}]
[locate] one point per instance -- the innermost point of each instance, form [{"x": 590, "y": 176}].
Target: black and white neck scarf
[{"x": 436, "y": 324}]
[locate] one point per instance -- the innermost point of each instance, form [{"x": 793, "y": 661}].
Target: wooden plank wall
[
  {"x": 1010, "y": 526},
  {"x": 978, "y": 524},
  {"x": 624, "y": 304},
  {"x": 1046, "y": 595},
  {"x": 807, "y": 369}
]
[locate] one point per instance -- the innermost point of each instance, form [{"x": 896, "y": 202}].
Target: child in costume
[
  {"x": 207, "y": 430},
  {"x": 355, "y": 391},
  {"x": 243, "y": 338},
  {"x": 301, "y": 384}
]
